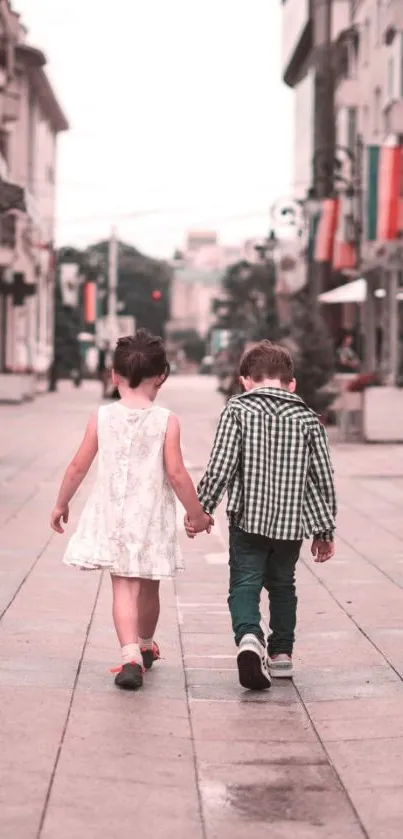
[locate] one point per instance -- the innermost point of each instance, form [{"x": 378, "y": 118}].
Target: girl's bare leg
[
  {"x": 125, "y": 609},
  {"x": 148, "y": 608},
  {"x": 125, "y": 616}
]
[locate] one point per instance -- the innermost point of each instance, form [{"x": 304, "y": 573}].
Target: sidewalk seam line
[
  {"x": 68, "y": 714},
  {"x": 365, "y": 833},
  {"x": 371, "y": 562},
  {"x": 25, "y": 578},
  {"x": 330, "y": 762},
  {"x": 196, "y": 770},
  {"x": 352, "y": 619}
]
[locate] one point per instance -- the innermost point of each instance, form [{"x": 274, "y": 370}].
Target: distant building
[
  {"x": 192, "y": 294},
  {"x": 30, "y": 121},
  {"x": 198, "y": 277}
]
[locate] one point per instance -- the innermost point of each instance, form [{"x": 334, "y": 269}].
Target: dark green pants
[{"x": 257, "y": 562}]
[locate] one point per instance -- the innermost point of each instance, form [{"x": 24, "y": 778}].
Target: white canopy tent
[{"x": 354, "y": 292}]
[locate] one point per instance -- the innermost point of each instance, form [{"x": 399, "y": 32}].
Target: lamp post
[
  {"x": 342, "y": 172},
  {"x": 289, "y": 222}
]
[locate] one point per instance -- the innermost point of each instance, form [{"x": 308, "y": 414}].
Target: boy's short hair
[{"x": 265, "y": 360}]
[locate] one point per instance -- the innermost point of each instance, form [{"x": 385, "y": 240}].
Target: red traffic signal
[{"x": 156, "y": 294}]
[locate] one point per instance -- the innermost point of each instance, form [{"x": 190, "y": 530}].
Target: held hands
[
  {"x": 193, "y": 526},
  {"x": 321, "y": 550},
  {"x": 59, "y": 514}
]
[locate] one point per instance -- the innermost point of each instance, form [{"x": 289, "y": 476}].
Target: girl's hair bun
[{"x": 139, "y": 357}]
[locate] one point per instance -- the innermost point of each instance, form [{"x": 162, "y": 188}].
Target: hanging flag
[
  {"x": 90, "y": 302},
  {"x": 69, "y": 283},
  {"x": 373, "y": 155},
  {"x": 389, "y": 191},
  {"x": 326, "y": 230},
  {"x": 344, "y": 251}
]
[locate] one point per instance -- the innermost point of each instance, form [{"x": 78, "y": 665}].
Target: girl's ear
[
  {"x": 159, "y": 381},
  {"x": 115, "y": 379}
]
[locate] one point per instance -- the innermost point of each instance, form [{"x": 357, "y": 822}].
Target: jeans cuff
[{"x": 280, "y": 649}]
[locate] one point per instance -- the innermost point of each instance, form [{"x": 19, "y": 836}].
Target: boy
[{"x": 271, "y": 454}]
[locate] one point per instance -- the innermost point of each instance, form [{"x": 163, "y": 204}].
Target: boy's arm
[
  {"x": 179, "y": 477},
  {"x": 322, "y": 473},
  {"x": 223, "y": 462}
]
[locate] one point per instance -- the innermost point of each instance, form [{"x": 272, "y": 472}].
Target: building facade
[
  {"x": 363, "y": 42},
  {"x": 365, "y": 48},
  {"x": 30, "y": 121}
]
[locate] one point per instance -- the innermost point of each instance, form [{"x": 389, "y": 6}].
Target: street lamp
[{"x": 289, "y": 214}]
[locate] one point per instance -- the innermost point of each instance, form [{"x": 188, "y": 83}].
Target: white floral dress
[{"x": 128, "y": 525}]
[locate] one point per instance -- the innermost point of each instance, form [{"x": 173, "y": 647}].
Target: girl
[{"x": 128, "y": 525}]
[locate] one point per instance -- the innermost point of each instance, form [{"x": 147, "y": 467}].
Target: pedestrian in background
[
  {"x": 128, "y": 525},
  {"x": 271, "y": 455},
  {"x": 103, "y": 372},
  {"x": 348, "y": 361}
]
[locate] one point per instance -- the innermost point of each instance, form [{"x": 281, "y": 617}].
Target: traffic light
[{"x": 156, "y": 295}]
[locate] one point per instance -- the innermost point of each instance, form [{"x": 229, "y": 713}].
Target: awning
[{"x": 354, "y": 292}]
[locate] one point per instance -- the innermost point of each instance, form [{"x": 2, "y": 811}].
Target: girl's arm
[
  {"x": 179, "y": 477},
  {"x": 75, "y": 474}
]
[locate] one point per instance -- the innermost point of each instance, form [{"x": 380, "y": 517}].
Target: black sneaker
[
  {"x": 252, "y": 664},
  {"x": 130, "y": 676},
  {"x": 150, "y": 655}
]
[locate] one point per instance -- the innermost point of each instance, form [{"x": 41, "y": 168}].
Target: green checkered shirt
[{"x": 271, "y": 454}]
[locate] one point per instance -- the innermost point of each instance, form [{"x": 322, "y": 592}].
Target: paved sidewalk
[{"x": 194, "y": 756}]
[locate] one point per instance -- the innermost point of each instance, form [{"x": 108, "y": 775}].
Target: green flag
[{"x": 372, "y": 192}]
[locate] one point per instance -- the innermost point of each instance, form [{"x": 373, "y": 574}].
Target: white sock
[
  {"x": 146, "y": 643},
  {"x": 130, "y": 653}
]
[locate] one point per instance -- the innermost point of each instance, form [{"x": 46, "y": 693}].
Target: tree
[
  {"x": 249, "y": 306},
  {"x": 314, "y": 355},
  {"x": 192, "y": 344},
  {"x": 249, "y": 311},
  {"x": 68, "y": 324},
  {"x": 143, "y": 284}
]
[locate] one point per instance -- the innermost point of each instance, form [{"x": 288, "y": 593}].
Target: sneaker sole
[
  {"x": 129, "y": 685},
  {"x": 128, "y": 682},
  {"x": 250, "y": 671},
  {"x": 281, "y": 674}
]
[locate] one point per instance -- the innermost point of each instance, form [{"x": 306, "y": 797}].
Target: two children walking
[{"x": 270, "y": 455}]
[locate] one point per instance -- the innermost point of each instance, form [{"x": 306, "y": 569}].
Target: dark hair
[
  {"x": 140, "y": 356},
  {"x": 267, "y": 361}
]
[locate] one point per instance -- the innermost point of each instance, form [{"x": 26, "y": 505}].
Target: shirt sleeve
[
  {"x": 322, "y": 473},
  {"x": 223, "y": 462}
]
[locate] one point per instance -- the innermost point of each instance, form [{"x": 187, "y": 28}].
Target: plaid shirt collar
[{"x": 276, "y": 392}]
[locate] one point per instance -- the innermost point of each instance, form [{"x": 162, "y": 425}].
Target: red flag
[
  {"x": 326, "y": 231},
  {"x": 344, "y": 251},
  {"x": 389, "y": 192},
  {"x": 89, "y": 294}
]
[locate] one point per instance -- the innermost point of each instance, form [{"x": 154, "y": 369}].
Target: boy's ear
[
  {"x": 115, "y": 379},
  {"x": 246, "y": 382},
  {"x": 292, "y": 386}
]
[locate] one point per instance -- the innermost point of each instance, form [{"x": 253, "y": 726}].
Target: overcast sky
[{"x": 175, "y": 106}]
